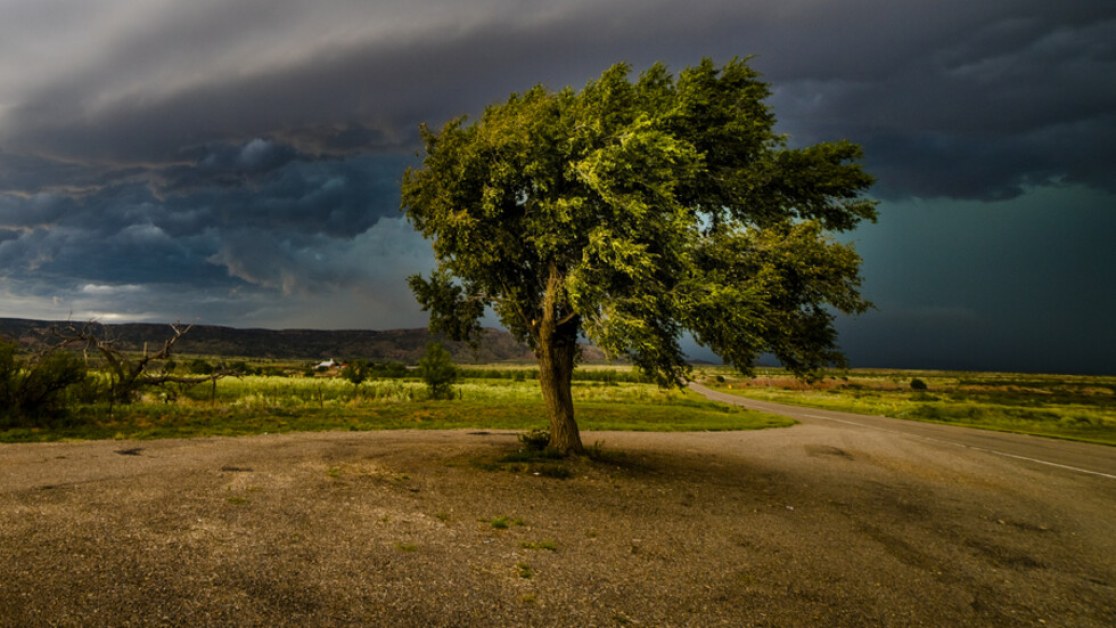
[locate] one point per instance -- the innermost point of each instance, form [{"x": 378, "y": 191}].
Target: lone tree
[{"x": 631, "y": 212}]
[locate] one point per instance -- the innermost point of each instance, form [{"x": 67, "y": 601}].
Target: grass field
[
  {"x": 507, "y": 397},
  {"x": 1075, "y": 407},
  {"x": 270, "y": 404}
]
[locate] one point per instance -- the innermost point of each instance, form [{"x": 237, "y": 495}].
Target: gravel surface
[{"x": 811, "y": 525}]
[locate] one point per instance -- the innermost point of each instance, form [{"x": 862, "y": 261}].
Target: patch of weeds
[
  {"x": 504, "y": 522},
  {"x": 444, "y": 517},
  {"x": 334, "y": 472},
  {"x": 524, "y": 571},
  {"x": 1080, "y": 420},
  {"x": 528, "y": 598},
  {"x": 535, "y": 440},
  {"x": 546, "y": 544},
  {"x": 406, "y": 547},
  {"x": 596, "y": 451},
  {"x": 539, "y": 462},
  {"x": 237, "y": 500}
]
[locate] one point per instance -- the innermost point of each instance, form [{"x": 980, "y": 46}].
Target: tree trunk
[
  {"x": 556, "y": 349},
  {"x": 556, "y": 364}
]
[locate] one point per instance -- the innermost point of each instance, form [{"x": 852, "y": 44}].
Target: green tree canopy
[{"x": 632, "y": 211}]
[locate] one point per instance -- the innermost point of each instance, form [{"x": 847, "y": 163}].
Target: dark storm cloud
[
  {"x": 84, "y": 244},
  {"x": 1009, "y": 285},
  {"x": 262, "y": 185},
  {"x": 929, "y": 84},
  {"x": 992, "y": 105},
  {"x": 254, "y": 202}
]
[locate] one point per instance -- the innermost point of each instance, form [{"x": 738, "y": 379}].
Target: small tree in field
[
  {"x": 630, "y": 212},
  {"x": 356, "y": 371},
  {"x": 437, "y": 370}
]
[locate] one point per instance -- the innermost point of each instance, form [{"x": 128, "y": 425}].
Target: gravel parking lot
[{"x": 810, "y": 525}]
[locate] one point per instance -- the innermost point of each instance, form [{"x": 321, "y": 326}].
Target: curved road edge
[{"x": 1097, "y": 460}]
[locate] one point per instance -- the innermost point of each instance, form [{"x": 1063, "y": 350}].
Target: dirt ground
[{"x": 811, "y": 525}]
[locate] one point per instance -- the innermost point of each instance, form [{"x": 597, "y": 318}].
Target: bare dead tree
[{"x": 128, "y": 372}]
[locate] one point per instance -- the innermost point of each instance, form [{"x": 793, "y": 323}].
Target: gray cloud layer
[
  {"x": 249, "y": 152},
  {"x": 930, "y": 80}
]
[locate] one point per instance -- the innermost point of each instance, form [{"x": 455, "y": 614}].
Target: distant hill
[{"x": 404, "y": 345}]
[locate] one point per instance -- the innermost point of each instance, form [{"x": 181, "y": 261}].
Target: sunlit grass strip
[
  {"x": 1070, "y": 407},
  {"x": 300, "y": 392}
]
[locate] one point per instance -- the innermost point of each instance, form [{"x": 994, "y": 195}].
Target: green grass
[
  {"x": 258, "y": 404},
  {"x": 545, "y": 544},
  {"x": 1070, "y": 407},
  {"x": 505, "y": 522}
]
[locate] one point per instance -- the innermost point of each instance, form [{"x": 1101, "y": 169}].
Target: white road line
[
  {"x": 1051, "y": 464},
  {"x": 829, "y": 418},
  {"x": 950, "y": 442}
]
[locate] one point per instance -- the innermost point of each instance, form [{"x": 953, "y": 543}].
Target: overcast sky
[{"x": 237, "y": 162}]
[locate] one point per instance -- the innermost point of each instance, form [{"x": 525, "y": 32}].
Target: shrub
[
  {"x": 535, "y": 440},
  {"x": 390, "y": 370},
  {"x": 33, "y": 388},
  {"x": 918, "y": 384},
  {"x": 437, "y": 370},
  {"x": 356, "y": 371}
]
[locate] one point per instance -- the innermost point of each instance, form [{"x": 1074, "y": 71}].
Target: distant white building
[{"x": 328, "y": 364}]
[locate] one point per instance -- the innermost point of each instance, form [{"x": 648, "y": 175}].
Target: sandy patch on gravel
[{"x": 810, "y": 525}]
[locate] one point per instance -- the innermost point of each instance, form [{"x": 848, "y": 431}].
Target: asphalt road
[{"x": 1097, "y": 460}]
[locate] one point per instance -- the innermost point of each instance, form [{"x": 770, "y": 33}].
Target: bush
[
  {"x": 437, "y": 370},
  {"x": 388, "y": 370},
  {"x": 535, "y": 440},
  {"x": 33, "y": 388},
  {"x": 356, "y": 371},
  {"x": 918, "y": 384},
  {"x": 240, "y": 368}
]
